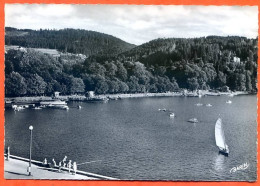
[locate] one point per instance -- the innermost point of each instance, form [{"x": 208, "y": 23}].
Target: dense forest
[
  {"x": 67, "y": 40},
  {"x": 161, "y": 65}
]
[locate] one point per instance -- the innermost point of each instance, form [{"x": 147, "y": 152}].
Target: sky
[{"x": 138, "y": 24}]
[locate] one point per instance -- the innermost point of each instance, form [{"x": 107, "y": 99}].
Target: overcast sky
[{"x": 138, "y": 24}]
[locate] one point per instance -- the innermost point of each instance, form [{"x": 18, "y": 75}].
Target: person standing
[
  {"x": 44, "y": 163},
  {"x": 54, "y": 162},
  {"x": 74, "y": 167},
  {"x": 60, "y": 166},
  {"x": 64, "y": 161},
  {"x": 69, "y": 165},
  {"x": 8, "y": 153}
]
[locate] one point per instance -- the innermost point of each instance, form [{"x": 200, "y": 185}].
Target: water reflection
[{"x": 219, "y": 162}]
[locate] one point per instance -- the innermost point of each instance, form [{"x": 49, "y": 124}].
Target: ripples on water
[{"x": 136, "y": 141}]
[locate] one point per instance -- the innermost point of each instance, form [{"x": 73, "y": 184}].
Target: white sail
[{"x": 219, "y": 135}]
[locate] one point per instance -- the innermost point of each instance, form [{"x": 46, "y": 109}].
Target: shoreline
[
  {"x": 16, "y": 168},
  {"x": 37, "y": 99}
]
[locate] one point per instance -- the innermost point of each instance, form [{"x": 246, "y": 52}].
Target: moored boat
[
  {"x": 229, "y": 102},
  {"x": 193, "y": 120},
  {"x": 163, "y": 109},
  {"x": 172, "y": 115},
  {"x": 220, "y": 138}
]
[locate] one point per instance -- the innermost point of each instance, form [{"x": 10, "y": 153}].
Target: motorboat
[
  {"x": 193, "y": 120},
  {"x": 229, "y": 102},
  {"x": 164, "y": 109},
  {"x": 172, "y": 115}
]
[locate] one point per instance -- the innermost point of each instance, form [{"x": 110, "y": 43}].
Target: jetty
[{"x": 16, "y": 168}]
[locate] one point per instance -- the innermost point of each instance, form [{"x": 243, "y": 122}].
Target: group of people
[{"x": 63, "y": 164}]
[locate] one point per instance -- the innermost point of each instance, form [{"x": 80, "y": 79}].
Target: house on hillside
[
  {"x": 236, "y": 59},
  {"x": 90, "y": 94},
  {"x": 56, "y": 94}
]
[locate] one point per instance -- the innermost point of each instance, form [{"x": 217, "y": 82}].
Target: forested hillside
[
  {"x": 67, "y": 40},
  {"x": 157, "y": 66},
  {"x": 207, "y": 62}
]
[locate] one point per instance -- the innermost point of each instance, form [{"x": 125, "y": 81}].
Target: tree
[
  {"x": 113, "y": 86},
  {"x": 248, "y": 81},
  {"x": 123, "y": 87},
  {"x": 76, "y": 85},
  {"x": 102, "y": 87},
  {"x": 221, "y": 79},
  {"x": 15, "y": 85},
  {"x": 121, "y": 71},
  {"x": 36, "y": 85},
  {"x": 193, "y": 83},
  {"x": 111, "y": 69}
]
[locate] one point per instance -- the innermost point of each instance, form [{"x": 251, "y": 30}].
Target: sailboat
[{"x": 220, "y": 138}]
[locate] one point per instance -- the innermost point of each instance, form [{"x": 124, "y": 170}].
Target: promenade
[{"x": 16, "y": 168}]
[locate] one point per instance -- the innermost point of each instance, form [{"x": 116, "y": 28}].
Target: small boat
[
  {"x": 220, "y": 138},
  {"x": 208, "y": 105},
  {"x": 199, "y": 104},
  {"x": 229, "y": 102},
  {"x": 164, "y": 109},
  {"x": 37, "y": 108},
  {"x": 172, "y": 115},
  {"x": 193, "y": 120},
  {"x": 79, "y": 107},
  {"x": 18, "y": 108},
  {"x": 200, "y": 95}
]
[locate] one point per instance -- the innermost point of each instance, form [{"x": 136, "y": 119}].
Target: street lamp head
[{"x": 31, "y": 127}]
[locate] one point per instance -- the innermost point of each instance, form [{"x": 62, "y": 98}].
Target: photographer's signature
[{"x": 243, "y": 166}]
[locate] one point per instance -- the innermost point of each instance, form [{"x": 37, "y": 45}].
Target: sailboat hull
[{"x": 225, "y": 153}]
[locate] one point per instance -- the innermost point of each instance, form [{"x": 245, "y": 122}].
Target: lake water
[{"x": 132, "y": 140}]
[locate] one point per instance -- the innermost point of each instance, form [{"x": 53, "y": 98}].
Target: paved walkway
[{"x": 17, "y": 169}]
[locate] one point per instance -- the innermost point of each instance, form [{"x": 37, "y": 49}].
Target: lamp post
[{"x": 30, "y": 161}]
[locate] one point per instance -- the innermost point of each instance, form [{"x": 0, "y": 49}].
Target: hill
[
  {"x": 75, "y": 41},
  {"x": 161, "y": 65}
]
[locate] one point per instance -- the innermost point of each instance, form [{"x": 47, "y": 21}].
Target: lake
[{"x": 131, "y": 140}]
